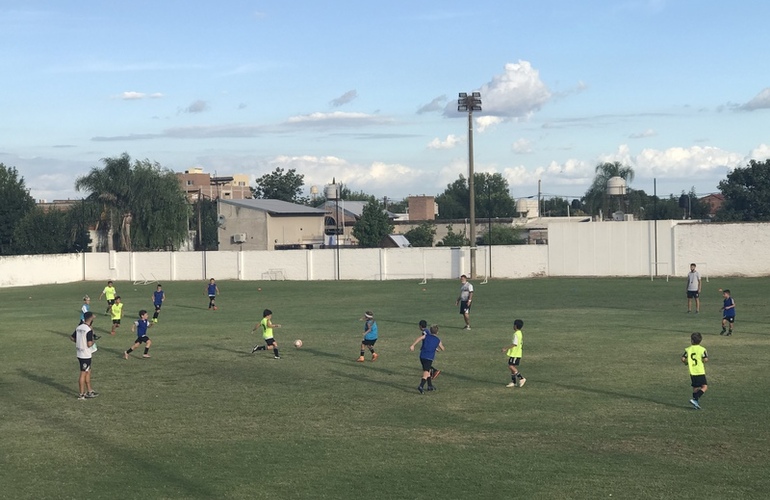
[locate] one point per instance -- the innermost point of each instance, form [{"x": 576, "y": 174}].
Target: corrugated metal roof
[{"x": 275, "y": 207}]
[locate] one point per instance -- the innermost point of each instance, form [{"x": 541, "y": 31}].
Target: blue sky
[{"x": 365, "y": 92}]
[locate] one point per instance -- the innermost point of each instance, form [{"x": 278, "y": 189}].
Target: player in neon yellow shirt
[
  {"x": 116, "y": 312},
  {"x": 108, "y": 293},
  {"x": 514, "y": 352},
  {"x": 267, "y": 326},
  {"x": 695, "y": 357}
]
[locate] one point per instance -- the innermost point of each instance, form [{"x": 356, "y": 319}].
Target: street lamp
[
  {"x": 333, "y": 193},
  {"x": 471, "y": 103}
]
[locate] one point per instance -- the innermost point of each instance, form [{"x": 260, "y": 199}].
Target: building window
[{"x": 189, "y": 182}]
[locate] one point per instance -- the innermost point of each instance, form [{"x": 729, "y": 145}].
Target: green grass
[{"x": 604, "y": 412}]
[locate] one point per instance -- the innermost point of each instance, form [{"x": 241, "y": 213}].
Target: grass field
[{"x": 604, "y": 413}]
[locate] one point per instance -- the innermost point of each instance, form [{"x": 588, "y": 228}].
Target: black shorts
[
  {"x": 269, "y": 341},
  {"x": 514, "y": 361},
  {"x": 143, "y": 339},
  {"x": 115, "y": 321},
  {"x": 698, "y": 380},
  {"x": 729, "y": 319},
  {"x": 85, "y": 364},
  {"x": 692, "y": 294},
  {"x": 110, "y": 302},
  {"x": 465, "y": 307},
  {"x": 427, "y": 364},
  {"x": 369, "y": 342},
  {"x": 157, "y": 307},
  {"x": 212, "y": 297}
]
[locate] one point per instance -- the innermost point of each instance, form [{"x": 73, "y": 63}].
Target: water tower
[{"x": 616, "y": 191}]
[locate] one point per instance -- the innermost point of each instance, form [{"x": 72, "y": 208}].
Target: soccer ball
[{"x": 298, "y": 343}]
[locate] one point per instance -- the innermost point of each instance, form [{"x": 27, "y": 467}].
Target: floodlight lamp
[
  {"x": 476, "y": 108},
  {"x": 476, "y": 94},
  {"x": 462, "y": 108},
  {"x": 463, "y": 94}
]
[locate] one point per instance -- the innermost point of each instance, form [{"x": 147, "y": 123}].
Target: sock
[
  {"x": 362, "y": 353},
  {"x": 275, "y": 351},
  {"x": 261, "y": 348},
  {"x": 371, "y": 350},
  {"x": 146, "y": 350},
  {"x": 155, "y": 315},
  {"x": 430, "y": 382},
  {"x": 432, "y": 372},
  {"x": 422, "y": 382},
  {"x": 129, "y": 351},
  {"x": 697, "y": 394},
  {"x": 519, "y": 375},
  {"x": 513, "y": 378}
]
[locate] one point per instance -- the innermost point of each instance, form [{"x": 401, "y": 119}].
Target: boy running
[
  {"x": 109, "y": 293},
  {"x": 158, "y": 296},
  {"x": 728, "y": 312},
  {"x": 370, "y": 336},
  {"x": 140, "y": 326},
  {"x": 212, "y": 290},
  {"x": 267, "y": 326},
  {"x": 514, "y": 352},
  {"x": 423, "y": 325},
  {"x": 695, "y": 358},
  {"x": 83, "y": 337},
  {"x": 430, "y": 344},
  {"x": 116, "y": 312}
]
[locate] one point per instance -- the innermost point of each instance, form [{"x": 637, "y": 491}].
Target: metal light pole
[{"x": 471, "y": 103}]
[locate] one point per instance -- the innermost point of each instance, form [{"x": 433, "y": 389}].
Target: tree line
[{"x": 139, "y": 205}]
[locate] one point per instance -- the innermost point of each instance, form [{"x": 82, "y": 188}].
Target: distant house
[
  {"x": 347, "y": 212},
  {"x": 714, "y": 202},
  {"x": 268, "y": 225},
  {"x": 395, "y": 241},
  {"x": 197, "y": 183}
]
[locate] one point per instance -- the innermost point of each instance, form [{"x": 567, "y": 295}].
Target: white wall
[{"x": 574, "y": 249}]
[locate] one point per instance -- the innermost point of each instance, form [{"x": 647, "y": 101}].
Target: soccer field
[{"x": 604, "y": 413}]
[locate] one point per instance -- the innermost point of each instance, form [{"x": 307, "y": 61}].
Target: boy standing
[
  {"x": 423, "y": 325},
  {"x": 86, "y": 307},
  {"x": 109, "y": 293},
  {"x": 693, "y": 289},
  {"x": 728, "y": 312},
  {"x": 83, "y": 337},
  {"x": 140, "y": 327},
  {"x": 116, "y": 312},
  {"x": 158, "y": 296},
  {"x": 370, "y": 336},
  {"x": 464, "y": 300},
  {"x": 514, "y": 352},
  {"x": 267, "y": 326},
  {"x": 430, "y": 344},
  {"x": 695, "y": 358},
  {"x": 212, "y": 290}
]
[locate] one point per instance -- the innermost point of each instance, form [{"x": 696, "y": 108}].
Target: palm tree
[{"x": 596, "y": 196}]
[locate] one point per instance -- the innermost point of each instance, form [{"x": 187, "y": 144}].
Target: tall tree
[
  {"x": 595, "y": 198},
  {"x": 492, "y": 198},
  {"x": 280, "y": 185},
  {"x": 15, "y": 202},
  {"x": 373, "y": 225},
  {"x": 747, "y": 193},
  {"x": 422, "y": 235},
  {"x": 143, "y": 196},
  {"x": 44, "y": 232}
]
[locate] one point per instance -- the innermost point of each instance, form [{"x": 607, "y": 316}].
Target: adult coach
[
  {"x": 83, "y": 337},
  {"x": 693, "y": 289},
  {"x": 464, "y": 300}
]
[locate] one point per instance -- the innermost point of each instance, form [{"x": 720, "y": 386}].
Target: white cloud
[
  {"x": 132, "y": 96},
  {"x": 522, "y": 146},
  {"x": 760, "y": 153},
  {"x": 450, "y": 142},
  {"x": 677, "y": 162},
  {"x": 198, "y": 106},
  {"x": 485, "y": 122},
  {"x": 436, "y": 104},
  {"x": 338, "y": 118},
  {"x": 641, "y": 135},
  {"x": 760, "y": 101},
  {"x": 345, "y": 98}
]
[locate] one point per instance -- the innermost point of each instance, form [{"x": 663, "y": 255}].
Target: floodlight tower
[{"x": 471, "y": 103}]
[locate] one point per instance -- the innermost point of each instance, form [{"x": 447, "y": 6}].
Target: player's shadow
[
  {"x": 605, "y": 392},
  {"x": 359, "y": 378},
  {"x": 347, "y": 361},
  {"x": 187, "y": 307},
  {"x": 243, "y": 352},
  {"x": 41, "y": 379}
]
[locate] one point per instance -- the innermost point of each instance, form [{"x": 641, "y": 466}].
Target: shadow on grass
[
  {"x": 359, "y": 378},
  {"x": 50, "y": 382},
  {"x": 623, "y": 395},
  {"x": 350, "y": 361}
]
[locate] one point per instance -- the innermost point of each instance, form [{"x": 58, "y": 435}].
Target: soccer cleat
[
  {"x": 431, "y": 388},
  {"x": 92, "y": 394},
  {"x": 511, "y": 384},
  {"x": 522, "y": 382},
  {"x": 695, "y": 404},
  {"x": 360, "y": 359},
  {"x": 729, "y": 333},
  {"x": 81, "y": 397},
  {"x": 276, "y": 357},
  {"x": 256, "y": 348},
  {"x": 419, "y": 388},
  {"x": 154, "y": 320},
  {"x": 125, "y": 355},
  {"x": 722, "y": 332},
  {"x": 375, "y": 356},
  {"x": 146, "y": 356},
  {"x": 435, "y": 374},
  {"x": 467, "y": 327}
]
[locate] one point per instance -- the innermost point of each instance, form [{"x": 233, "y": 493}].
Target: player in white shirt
[{"x": 83, "y": 337}]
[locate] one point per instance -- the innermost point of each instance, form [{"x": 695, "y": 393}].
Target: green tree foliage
[
  {"x": 142, "y": 203},
  {"x": 15, "y": 202},
  {"x": 373, "y": 225},
  {"x": 422, "y": 235},
  {"x": 557, "y": 207},
  {"x": 209, "y": 225},
  {"x": 41, "y": 232},
  {"x": 453, "y": 239},
  {"x": 747, "y": 193},
  {"x": 491, "y": 193},
  {"x": 503, "y": 235},
  {"x": 595, "y": 198},
  {"x": 281, "y": 185}
]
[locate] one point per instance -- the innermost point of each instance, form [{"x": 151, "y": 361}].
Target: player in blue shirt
[
  {"x": 430, "y": 344},
  {"x": 140, "y": 327},
  {"x": 212, "y": 290},
  {"x": 370, "y": 336},
  {"x": 86, "y": 307},
  {"x": 728, "y": 312},
  {"x": 158, "y": 296}
]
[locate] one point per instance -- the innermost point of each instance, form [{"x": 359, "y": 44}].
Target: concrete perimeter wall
[{"x": 574, "y": 249}]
